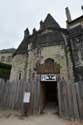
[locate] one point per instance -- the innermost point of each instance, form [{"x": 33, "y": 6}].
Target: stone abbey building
[
  {"x": 48, "y": 55},
  {"x": 51, "y": 50}
]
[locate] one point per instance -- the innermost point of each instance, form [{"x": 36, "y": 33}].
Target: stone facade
[
  {"x": 64, "y": 46},
  {"x": 18, "y": 68}
]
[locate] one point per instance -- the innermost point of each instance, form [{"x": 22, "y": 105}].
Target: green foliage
[
  {"x": 6, "y": 66},
  {"x": 5, "y": 71}
]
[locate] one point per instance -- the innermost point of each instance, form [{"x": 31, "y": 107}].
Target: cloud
[{"x": 16, "y": 15}]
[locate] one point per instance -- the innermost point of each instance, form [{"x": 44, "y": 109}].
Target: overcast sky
[{"x": 17, "y": 15}]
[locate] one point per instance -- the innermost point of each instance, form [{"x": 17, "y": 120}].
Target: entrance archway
[
  {"x": 49, "y": 96},
  {"x": 48, "y": 85}
]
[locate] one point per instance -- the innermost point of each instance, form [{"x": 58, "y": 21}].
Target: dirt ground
[{"x": 14, "y": 118}]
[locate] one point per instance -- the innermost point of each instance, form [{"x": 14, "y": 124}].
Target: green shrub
[{"x": 5, "y": 70}]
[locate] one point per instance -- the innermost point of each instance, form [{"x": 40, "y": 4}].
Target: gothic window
[{"x": 49, "y": 61}]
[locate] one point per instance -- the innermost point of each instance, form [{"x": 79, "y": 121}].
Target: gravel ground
[{"x": 12, "y": 118}]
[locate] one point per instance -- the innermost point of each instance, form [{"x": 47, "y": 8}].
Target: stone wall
[
  {"x": 26, "y": 65},
  {"x": 18, "y": 67},
  {"x": 55, "y": 52}
]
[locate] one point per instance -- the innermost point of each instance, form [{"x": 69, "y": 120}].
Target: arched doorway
[{"x": 48, "y": 85}]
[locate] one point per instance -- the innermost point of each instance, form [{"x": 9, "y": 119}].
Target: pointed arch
[{"x": 49, "y": 67}]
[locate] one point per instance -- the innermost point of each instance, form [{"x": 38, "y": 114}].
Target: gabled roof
[
  {"x": 79, "y": 19},
  {"x": 50, "y": 22}
]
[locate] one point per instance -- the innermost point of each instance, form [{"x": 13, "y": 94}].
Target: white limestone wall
[
  {"x": 18, "y": 66},
  {"x": 55, "y": 52}
]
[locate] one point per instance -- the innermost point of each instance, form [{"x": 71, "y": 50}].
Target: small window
[
  {"x": 9, "y": 59},
  {"x": 2, "y": 58},
  {"x": 20, "y": 75}
]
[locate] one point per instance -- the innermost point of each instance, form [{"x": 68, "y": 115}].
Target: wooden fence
[
  {"x": 70, "y": 97},
  {"x": 71, "y": 100},
  {"x": 11, "y": 94}
]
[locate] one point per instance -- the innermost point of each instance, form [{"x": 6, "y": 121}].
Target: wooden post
[
  {"x": 80, "y": 105},
  {"x": 70, "y": 102},
  {"x": 75, "y": 105},
  {"x": 59, "y": 98}
]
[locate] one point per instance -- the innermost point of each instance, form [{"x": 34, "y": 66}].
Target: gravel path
[{"x": 47, "y": 119}]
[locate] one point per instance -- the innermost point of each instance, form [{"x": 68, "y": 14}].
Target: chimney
[
  {"x": 68, "y": 15},
  {"x": 26, "y": 33},
  {"x": 41, "y": 25},
  {"x": 34, "y": 31}
]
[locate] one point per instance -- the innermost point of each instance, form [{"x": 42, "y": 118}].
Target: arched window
[
  {"x": 49, "y": 61},
  {"x": 20, "y": 75},
  {"x": 49, "y": 67}
]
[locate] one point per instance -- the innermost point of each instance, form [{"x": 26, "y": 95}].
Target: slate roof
[
  {"x": 22, "y": 47},
  {"x": 76, "y": 20},
  {"x": 50, "y": 38},
  {"x": 50, "y": 22},
  {"x": 10, "y": 50},
  {"x": 74, "y": 32}
]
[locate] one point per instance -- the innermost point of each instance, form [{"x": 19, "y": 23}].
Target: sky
[{"x": 17, "y": 15}]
